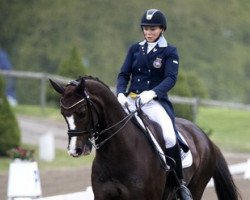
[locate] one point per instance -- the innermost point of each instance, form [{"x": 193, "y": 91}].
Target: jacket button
[
  {"x": 138, "y": 80},
  {"x": 148, "y": 82},
  {"x": 139, "y": 69}
]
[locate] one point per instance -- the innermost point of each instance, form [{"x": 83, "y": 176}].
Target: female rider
[{"x": 150, "y": 69}]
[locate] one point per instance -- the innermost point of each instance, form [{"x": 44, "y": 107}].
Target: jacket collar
[{"x": 162, "y": 42}]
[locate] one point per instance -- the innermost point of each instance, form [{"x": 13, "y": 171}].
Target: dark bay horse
[{"x": 125, "y": 167}]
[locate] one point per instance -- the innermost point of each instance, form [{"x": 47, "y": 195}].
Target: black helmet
[{"x": 154, "y": 17}]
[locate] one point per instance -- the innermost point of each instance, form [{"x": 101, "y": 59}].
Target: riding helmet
[{"x": 154, "y": 17}]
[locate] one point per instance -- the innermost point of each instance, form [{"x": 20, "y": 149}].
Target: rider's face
[{"x": 151, "y": 33}]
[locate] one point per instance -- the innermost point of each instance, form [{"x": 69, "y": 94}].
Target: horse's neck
[
  {"x": 125, "y": 132},
  {"x": 127, "y": 137}
]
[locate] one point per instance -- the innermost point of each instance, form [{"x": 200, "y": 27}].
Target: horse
[{"x": 125, "y": 166}]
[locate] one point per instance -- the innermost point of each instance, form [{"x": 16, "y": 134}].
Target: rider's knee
[{"x": 170, "y": 141}]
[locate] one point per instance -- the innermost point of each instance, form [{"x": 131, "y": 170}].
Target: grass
[{"x": 230, "y": 127}]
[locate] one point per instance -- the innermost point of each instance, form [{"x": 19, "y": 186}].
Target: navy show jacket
[{"x": 155, "y": 71}]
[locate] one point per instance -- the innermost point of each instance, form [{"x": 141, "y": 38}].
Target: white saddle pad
[{"x": 187, "y": 158}]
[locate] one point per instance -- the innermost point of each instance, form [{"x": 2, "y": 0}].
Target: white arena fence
[
  {"x": 86, "y": 195},
  {"x": 240, "y": 168},
  {"x": 43, "y": 78}
]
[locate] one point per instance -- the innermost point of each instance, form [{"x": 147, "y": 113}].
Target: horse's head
[{"x": 80, "y": 114}]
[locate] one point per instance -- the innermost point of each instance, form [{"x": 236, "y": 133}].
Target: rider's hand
[
  {"x": 122, "y": 99},
  {"x": 147, "y": 96}
]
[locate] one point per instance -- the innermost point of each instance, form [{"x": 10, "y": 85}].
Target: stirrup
[{"x": 184, "y": 193}]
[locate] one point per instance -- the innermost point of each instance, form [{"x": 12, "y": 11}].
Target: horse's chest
[{"x": 119, "y": 186}]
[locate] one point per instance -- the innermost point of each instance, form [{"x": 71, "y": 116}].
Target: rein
[
  {"x": 93, "y": 131},
  {"x": 125, "y": 120}
]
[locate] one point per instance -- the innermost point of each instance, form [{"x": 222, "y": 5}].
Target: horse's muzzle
[
  {"x": 80, "y": 151},
  {"x": 75, "y": 152}
]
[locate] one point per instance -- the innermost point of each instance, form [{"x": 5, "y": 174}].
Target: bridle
[
  {"x": 90, "y": 107},
  {"x": 94, "y": 132}
]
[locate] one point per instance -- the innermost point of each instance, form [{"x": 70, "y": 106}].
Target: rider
[{"x": 151, "y": 67}]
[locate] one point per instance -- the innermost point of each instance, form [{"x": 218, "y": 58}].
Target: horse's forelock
[{"x": 70, "y": 89}]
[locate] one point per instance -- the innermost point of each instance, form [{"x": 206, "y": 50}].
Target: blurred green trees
[
  {"x": 72, "y": 66},
  {"x": 212, "y": 37},
  {"x": 9, "y": 130},
  {"x": 188, "y": 85}
]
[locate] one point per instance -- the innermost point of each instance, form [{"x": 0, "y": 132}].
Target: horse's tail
[{"x": 223, "y": 180}]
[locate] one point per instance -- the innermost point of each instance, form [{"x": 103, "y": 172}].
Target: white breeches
[{"x": 157, "y": 113}]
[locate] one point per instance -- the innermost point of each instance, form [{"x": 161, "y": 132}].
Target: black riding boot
[{"x": 182, "y": 191}]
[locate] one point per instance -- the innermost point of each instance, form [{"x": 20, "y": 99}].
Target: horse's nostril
[{"x": 79, "y": 151}]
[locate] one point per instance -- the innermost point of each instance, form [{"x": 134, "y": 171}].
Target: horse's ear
[
  {"x": 80, "y": 87},
  {"x": 60, "y": 89}
]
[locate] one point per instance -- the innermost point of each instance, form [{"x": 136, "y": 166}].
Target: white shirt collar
[
  {"x": 162, "y": 42},
  {"x": 151, "y": 45}
]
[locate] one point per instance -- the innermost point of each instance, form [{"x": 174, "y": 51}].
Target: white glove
[
  {"x": 122, "y": 99},
  {"x": 147, "y": 96}
]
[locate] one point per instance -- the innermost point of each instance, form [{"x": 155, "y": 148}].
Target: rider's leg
[
  {"x": 182, "y": 190},
  {"x": 156, "y": 112}
]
